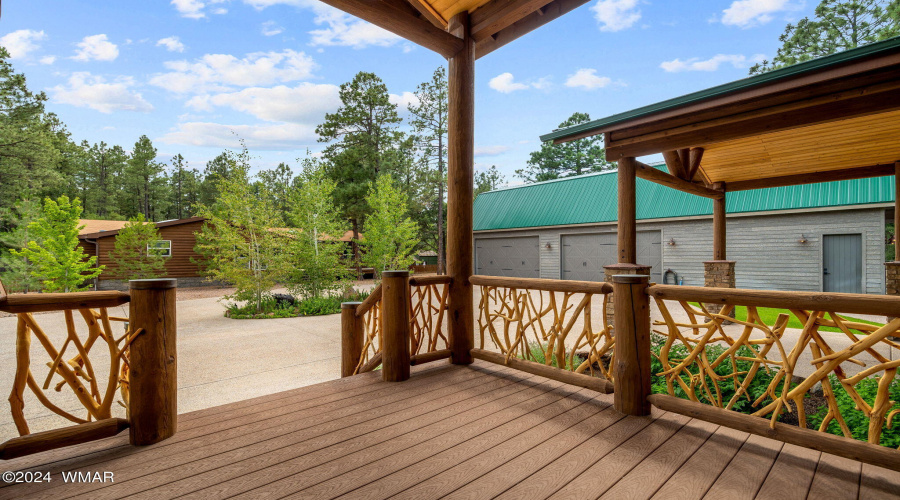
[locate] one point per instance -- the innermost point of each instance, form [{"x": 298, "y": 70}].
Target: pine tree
[
  {"x": 315, "y": 267},
  {"x": 430, "y": 123},
  {"x": 101, "y": 178},
  {"x": 134, "y": 253},
  {"x": 146, "y": 180},
  {"x": 578, "y": 157},
  {"x": 488, "y": 180},
  {"x": 278, "y": 182},
  {"x": 837, "y": 25},
  {"x": 58, "y": 262},
  {"x": 390, "y": 234},
  {"x": 17, "y": 270}
]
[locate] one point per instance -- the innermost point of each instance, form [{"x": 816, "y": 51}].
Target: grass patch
[
  {"x": 273, "y": 308},
  {"x": 769, "y": 315}
]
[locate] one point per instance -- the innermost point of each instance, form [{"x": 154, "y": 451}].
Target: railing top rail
[
  {"x": 440, "y": 279},
  {"x": 543, "y": 284},
  {"x": 370, "y": 301},
  {"x": 41, "y": 302},
  {"x": 854, "y": 303}
]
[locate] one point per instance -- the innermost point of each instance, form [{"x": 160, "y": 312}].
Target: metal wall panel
[{"x": 517, "y": 257}]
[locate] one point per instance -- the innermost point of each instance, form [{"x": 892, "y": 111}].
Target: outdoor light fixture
[
  {"x": 802, "y": 239},
  {"x": 671, "y": 242},
  {"x": 548, "y": 245}
]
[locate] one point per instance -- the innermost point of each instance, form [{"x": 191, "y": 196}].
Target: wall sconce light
[
  {"x": 802, "y": 239},
  {"x": 671, "y": 242},
  {"x": 548, "y": 246}
]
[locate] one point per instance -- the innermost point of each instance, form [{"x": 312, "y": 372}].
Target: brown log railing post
[
  {"x": 351, "y": 338},
  {"x": 153, "y": 380},
  {"x": 395, "y": 321},
  {"x": 460, "y": 174},
  {"x": 632, "y": 350}
]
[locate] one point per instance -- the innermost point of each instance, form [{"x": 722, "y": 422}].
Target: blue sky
[{"x": 196, "y": 75}]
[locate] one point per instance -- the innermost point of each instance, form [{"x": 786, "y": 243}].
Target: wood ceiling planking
[
  {"x": 856, "y": 142},
  {"x": 449, "y": 8}
]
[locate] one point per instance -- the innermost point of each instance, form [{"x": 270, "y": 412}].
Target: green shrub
[
  {"x": 312, "y": 306},
  {"x": 856, "y": 420},
  {"x": 536, "y": 353}
]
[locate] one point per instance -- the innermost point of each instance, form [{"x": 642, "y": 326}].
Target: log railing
[
  {"x": 557, "y": 329},
  {"x": 714, "y": 360},
  {"x": 363, "y": 323},
  {"x": 95, "y": 386}
]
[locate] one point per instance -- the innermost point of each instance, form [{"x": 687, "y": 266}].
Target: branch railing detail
[
  {"x": 71, "y": 366},
  {"x": 427, "y": 302},
  {"x": 547, "y": 321},
  {"x": 707, "y": 352}
]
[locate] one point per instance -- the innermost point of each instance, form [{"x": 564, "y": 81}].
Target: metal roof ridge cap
[
  {"x": 728, "y": 87},
  {"x": 551, "y": 181}
]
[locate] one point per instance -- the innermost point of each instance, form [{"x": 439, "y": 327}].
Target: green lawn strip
[{"x": 769, "y": 315}]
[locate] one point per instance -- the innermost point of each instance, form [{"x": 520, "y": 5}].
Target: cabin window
[{"x": 160, "y": 248}]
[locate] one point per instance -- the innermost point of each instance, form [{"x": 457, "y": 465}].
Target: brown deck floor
[{"x": 463, "y": 432}]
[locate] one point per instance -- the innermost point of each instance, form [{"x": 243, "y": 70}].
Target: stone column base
[
  {"x": 609, "y": 272},
  {"x": 718, "y": 274},
  {"x": 891, "y": 280}
]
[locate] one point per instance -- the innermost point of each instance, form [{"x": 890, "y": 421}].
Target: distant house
[
  {"x": 176, "y": 243},
  {"x": 814, "y": 237}
]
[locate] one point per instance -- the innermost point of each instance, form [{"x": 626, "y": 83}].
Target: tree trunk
[
  {"x": 440, "y": 218},
  {"x": 355, "y": 245}
]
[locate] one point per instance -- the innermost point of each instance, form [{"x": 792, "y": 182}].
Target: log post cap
[
  {"x": 153, "y": 284},
  {"x": 892, "y": 264},
  {"x": 395, "y": 274},
  {"x": 631, "y": 279},
  {"x": 350, "y": 305}
]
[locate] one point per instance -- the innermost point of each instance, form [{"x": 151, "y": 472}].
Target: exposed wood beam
[
  {"x": 814, "y": 177},
  {"x": 428, "y": 12},
  {"x": 658, "y": 176},
  {"x": 696, "y": 156},
  {"x": 529, "y": 23},
  {"x": 498, "y": 14},
  {"x": 858, "y": 102},
  {"x": 674, "y": 163},
  {"x": 401, "y": 22}
]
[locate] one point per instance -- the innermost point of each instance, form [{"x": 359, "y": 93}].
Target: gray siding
[{"x": 766, "y": 247}]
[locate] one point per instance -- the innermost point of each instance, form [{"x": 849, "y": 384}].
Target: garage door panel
[
  {"x": 583, "y": 255},
  {"x": 517, "y": 257}
]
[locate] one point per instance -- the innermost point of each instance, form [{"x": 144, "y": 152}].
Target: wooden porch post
[
  {"x": 632, "y": 349},
  {"x": 153, "y": 375},
  {"x": 719, "y": 233},
  {"x": 627, "y": 240},
  {"x": 395, "y": 326},
  {"x": 460, "y": 179},
  {"x": 719, "y": 272},
  {"x": 351, "y": 338}
]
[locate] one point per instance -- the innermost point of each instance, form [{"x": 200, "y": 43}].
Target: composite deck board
[
  {"x": 791, "y": 475},
  {"x": 836, "y": 479},
  {"x": 697, "y": 475},
  {"x": 479, "y": 431},
  {"x": 747, "y": 471}
]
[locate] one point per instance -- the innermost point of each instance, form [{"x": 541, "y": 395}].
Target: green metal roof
[
  {"x": 591, "y": 198},
  {"x": 746, "y": 83}
]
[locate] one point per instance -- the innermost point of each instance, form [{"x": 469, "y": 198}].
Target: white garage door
[
  {"x": 517, "y": 257},
  {"x": 584, "y": 255}
]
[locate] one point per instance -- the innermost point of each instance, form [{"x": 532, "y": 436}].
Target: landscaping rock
[{"x": 285, "y": 300}]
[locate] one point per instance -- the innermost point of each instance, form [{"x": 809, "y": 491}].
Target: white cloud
[
  {"x": 747, "y": 13},
  {"x": 347, "y": 31},
  {"x": 222, "y": 72},
  {"x": 20, "y": 42},
  {"x": 96, "y": 48},
  {"x": 47, "y": 60},
  {"x": 588, "y": 79},
  {"x": 306, "y": 103},
  {"x": 504, "y": 82},
  {"x": 172, "y": 44},
  {"x": 259, "y": 137},
  {"x": 490, "y": 150},
  {"x": 616, "y": 15},
  {"x": 404, "y": 100},
  {"x": 271, "y": 28},
  {"x": 711, "y": 64},
  {"x": 89, "y": 91},
  {"x": 195, "y": 9}
]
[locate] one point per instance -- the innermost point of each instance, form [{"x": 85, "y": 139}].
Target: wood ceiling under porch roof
[
  {"x": 833, "y": 118},
  {"x": 494, "y": 23}
]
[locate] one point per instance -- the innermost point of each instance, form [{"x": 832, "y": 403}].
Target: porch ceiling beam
[
  {"x": 814, "y": 177},
  {"x": 402, "y": 21},
  {"x": 529, "y": 23},
  {"x": 649, "y": 173},
  {"x": 695, "y": 157},
  {"x": 674, "y": 163},
  {"x": 428, "y": 12},
  {"x": 498, "y": 14},
  {"x": 862, "y": 101}
]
